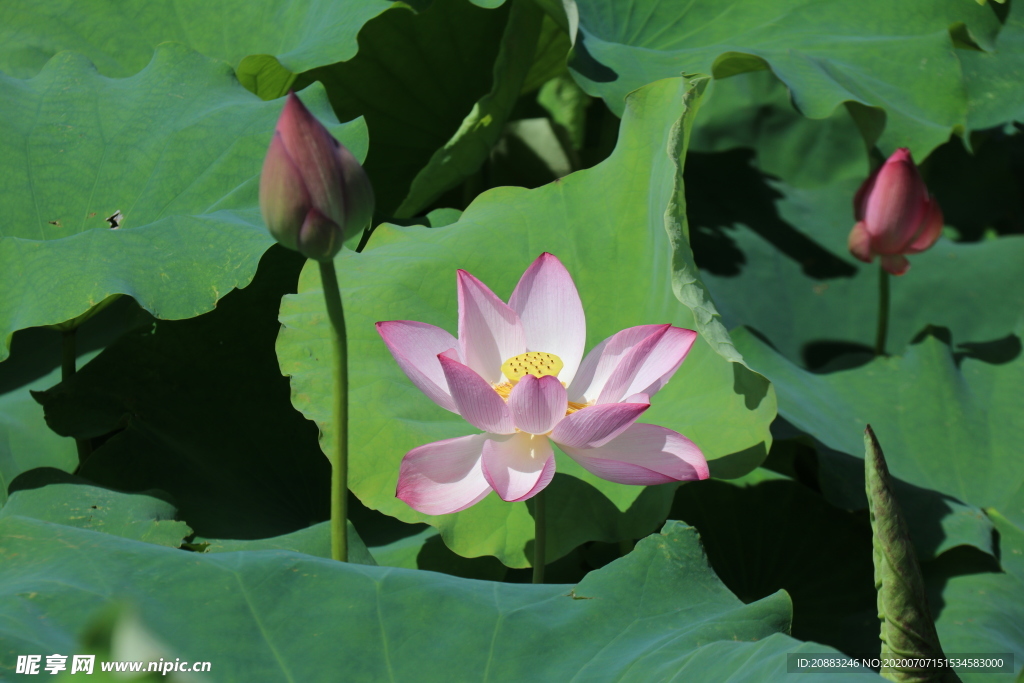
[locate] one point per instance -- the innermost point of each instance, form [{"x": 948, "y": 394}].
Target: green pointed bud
[
  {"x": 312, "y": 190},
  {"x": 908, "y": 631}
]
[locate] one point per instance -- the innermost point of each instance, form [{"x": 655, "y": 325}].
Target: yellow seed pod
[{"x": 536, "y": 363}]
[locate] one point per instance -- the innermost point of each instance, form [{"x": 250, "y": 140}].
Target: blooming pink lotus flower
[
  {"x": 312, "y": 190},
  {"x": 895, "y": 215},
  {"x": 517, "y": 372}
]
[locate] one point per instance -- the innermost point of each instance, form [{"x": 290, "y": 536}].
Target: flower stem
[
  {"x": 883, "y": 311},
  {"x": 539, "y": 537},
  {"x": 68, "y": 368},
  {"x": 339, "y": 456}
]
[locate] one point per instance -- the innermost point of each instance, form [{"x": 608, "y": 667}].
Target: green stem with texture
[
  {"x": 539, "y": 537},
  {"x": 883, "y": 311},
  {"x": 68, "y": 368},
  {"x": 339, "y": 456}
]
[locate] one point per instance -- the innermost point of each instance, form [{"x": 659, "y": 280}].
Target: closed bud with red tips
[
  {"x": 895, "y": 215},
  {"x": 312, "y": 190}
]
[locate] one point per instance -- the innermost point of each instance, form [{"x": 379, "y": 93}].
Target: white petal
[
  {"x": 643, "y": 454},
  {"x": 444, "y": 476},
  {"x": 602, "y": 360},
  {"x": 415, "y": 347},
  {"x": 519, "y": 466},
  {"x": 489, "y": 330},
  {"x": 551, "y": 312},
  {"x": 597, "y": 425},
  {"x": 537, "y": 404},
  {"x": 649, "y": 365},
  {"x": 476, "y": 400}
]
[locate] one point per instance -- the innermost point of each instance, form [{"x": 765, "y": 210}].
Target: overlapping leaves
[
  {"x": 896, "y": 57},
  {"x": 656, "y": 614},
  {"x": 135, "y": 516},
  {"x": 950, "y": 422},
  {"x": 401, "y": 82},
  {"x": 979, "y": 606},
  {"x": 199, "y": 409},
  {"x": 120, "y": 38},
  {"x": 145, "y": 186}
]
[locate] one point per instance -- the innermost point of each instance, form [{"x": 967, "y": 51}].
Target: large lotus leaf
[
  {"x": 993, "y": 78},
  {"x": 128, "y": 515},
  {"x": 798, "y": 542},
  {"x": 895, "y": 56},
  {"x": 198, "y": 408},
  {"x": 656, "y": 614},
  {"x": 948, "y": 422},
  {"x": 616, "y": 249},
  {"x": 979, "y": 609},
  {"x": 778, "y": 262},
  {"x": 402, "y": 82},
  {"x": 120, "y": 37},
  {"x": 175, "y": 150}
]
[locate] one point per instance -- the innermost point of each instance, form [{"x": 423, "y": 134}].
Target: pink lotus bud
[
  {"x": 312, "y": 190},
  {"x": 895, "y": 215}
]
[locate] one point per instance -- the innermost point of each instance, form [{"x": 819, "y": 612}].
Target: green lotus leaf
[
  {"x": 993, "y": 77},
  {"x": 618, "y": 252},
  {"x": 120, "y": 37},
  {"x": 128, "y": 515},
  {"x": 145, "y": 186},
  {"x": 656, "y": 614},
  {"x": 471, "y": 144},
  {"x": 401, "y": 81},
  {"x": 895, "y": 57},
  {"x": 979, "y": 607},
  {"x": 553, "y": 47},
  {"x": 950, "y": 421}
]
